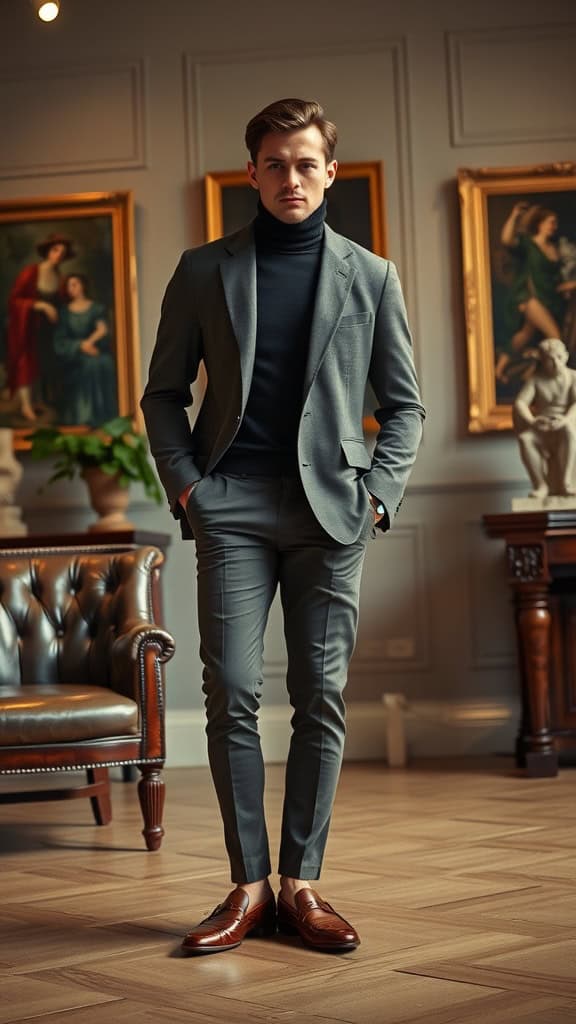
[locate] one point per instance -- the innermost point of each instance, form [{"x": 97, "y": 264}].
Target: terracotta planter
[{"x": 108, "y": 499}]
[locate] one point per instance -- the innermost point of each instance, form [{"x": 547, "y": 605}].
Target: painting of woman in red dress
[
  {"x": 33, "y": 313},
  {"x": 52, "y": 374}
]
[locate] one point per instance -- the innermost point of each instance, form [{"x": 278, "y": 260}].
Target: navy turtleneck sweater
[{"x": 287, "y": 267}]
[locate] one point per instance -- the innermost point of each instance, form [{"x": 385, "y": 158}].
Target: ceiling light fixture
[{"x": 47, "y": 11}]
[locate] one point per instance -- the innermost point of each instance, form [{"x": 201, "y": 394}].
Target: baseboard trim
[{"x": 432, "y": 729}]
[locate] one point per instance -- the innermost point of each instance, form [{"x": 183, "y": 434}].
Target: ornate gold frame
[
  {"x": 119, "y": 207},
  {"x": 475, "y": 187},
  {"x": 216, "y": 181}
]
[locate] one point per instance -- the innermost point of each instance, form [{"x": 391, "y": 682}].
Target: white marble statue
[{"x": 545, "y": 423}]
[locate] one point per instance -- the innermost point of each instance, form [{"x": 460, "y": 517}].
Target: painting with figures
[
  {"x": 519, "y": 251},
  {"x": 68, "y": 345}
]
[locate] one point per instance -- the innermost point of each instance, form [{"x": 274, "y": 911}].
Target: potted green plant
[{"x": 108, "y": 458}]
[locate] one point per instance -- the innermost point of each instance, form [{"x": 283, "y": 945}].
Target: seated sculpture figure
[{"x": 544, "y": 416}]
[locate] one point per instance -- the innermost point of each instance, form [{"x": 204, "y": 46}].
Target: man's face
[{"x": 291, "y": 173}]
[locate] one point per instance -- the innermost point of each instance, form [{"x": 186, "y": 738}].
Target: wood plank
[
  {"x": 38, "y": 997},
  {"x": 206, "y": 1011},
  {"x": 546, "y": 968}
]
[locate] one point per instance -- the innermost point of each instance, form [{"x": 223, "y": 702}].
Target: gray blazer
[{"x": 359, "y": 332}]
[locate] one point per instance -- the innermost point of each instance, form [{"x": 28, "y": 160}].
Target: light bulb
[{"x": 48, "y": 11}]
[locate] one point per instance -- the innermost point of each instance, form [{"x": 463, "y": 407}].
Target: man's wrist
[
  {"x": 377, "y": 505},
  {"x": 183, "y": 499}
]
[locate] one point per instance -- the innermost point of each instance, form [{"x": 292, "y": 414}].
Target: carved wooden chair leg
[
  {"x": 151, "y": 793},
  {"x": 101, "y": 804}
]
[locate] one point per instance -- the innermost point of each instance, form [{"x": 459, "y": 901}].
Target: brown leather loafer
[
  {"x": 316, "y": 922},
  {"x": 229, "y": 923}
]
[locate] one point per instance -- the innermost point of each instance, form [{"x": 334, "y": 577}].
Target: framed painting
[
  {"x": 519, "y": 261},
  {"x": 68, "y": 317},
  {"x": 355, "y": 209},
  {"x": 355, "y": 204}
]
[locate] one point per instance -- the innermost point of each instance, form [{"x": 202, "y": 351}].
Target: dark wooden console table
[{"x": 541, "y": 560}]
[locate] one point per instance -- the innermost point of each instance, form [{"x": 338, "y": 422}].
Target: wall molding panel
[
  {"x": 488, "y": 108},
  {"x": 394, "y": 614},
  {"x": 101, "y": 122}
]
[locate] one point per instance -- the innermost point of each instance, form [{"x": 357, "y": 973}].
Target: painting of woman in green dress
[
  {"x": 536, "y": 303},
  {"x": 82, "y": 342}
]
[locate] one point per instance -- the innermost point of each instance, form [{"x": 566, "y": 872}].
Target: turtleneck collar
[{"x": 305, "y": 236}]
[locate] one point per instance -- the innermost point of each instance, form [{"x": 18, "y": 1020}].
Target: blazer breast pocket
[{"x": 355, "y": 320}]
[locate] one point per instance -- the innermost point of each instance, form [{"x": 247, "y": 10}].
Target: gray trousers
[{"x": 253, "y": 535}]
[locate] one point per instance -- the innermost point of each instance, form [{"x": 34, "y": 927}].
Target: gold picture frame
[
  {"x": 355, "y": 203},
  {"x": 518, "y": 286},
  {"x": 43, "y": 367}
]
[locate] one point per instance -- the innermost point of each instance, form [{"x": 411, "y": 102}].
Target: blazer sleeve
[
  {"x": 400, "y": 413},
  {"x": 173, "y": 368}
]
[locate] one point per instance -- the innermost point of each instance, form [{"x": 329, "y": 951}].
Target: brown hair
[
  {"x": 289, "y": 116},
  {"x": 43, "y": 248},
  {"x": 535, "y": 217}
]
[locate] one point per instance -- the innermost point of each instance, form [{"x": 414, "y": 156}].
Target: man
[
  {"x": 275, "y": 484},
  {"x": 545, "y": 422}
]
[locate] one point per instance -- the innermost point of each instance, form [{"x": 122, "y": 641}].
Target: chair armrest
[{"x": 127, "y": 653}]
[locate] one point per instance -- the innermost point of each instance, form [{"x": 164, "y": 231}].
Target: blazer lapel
[
  {"x": 238, "y": 272},
  {"x": 334, "y": 283}
]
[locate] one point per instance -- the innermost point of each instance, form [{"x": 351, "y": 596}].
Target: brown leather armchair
[{"x": 81, "y": 677}]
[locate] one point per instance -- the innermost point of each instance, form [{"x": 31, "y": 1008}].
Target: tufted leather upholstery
[
  {"x": 81, "y": 683},
  {"x": 60, "y": 614}
]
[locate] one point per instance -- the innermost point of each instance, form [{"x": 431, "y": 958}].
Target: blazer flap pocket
[
  {"x": 355, "y": 319},
  {"x": 355, "y": 451}
]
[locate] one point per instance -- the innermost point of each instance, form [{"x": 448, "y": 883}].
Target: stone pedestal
[
  {"x": 11, "y": 524},
  {"x": 552, "y": 502}
]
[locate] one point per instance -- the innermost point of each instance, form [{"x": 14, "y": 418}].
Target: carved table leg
[
  {"x": 151, "y": 793},
  {"x": 533, "y": 621}
]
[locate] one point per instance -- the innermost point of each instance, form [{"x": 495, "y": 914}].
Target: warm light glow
[{"x": 48, "y": 11}]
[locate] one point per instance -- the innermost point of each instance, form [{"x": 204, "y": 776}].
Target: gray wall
[{"x": 149, "y": 97}]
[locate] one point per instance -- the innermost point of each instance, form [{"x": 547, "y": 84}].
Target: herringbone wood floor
[{"x": 460, "y": 877}]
